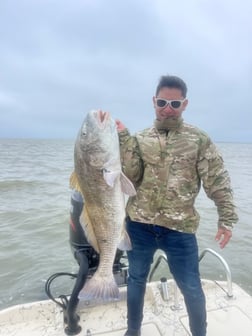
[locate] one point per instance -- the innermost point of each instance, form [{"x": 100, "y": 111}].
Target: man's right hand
[{"x": 119, "y": 125}]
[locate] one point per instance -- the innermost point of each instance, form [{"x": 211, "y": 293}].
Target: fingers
[
  {"x": 223, "y": 236},
  {"x": 119, "y": 125}
]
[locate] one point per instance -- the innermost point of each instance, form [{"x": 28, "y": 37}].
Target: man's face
[{"x": 174, "y": 108}]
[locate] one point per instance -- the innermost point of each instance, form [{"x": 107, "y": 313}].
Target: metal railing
[
  {"x": 224, "y": 264},
  {"x": 162, "y": 257}
]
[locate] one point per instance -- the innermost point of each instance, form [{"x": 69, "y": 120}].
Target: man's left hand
[{"x": 223, "y": 236}]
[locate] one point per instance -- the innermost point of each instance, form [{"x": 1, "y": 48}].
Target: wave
[{"x": 15, "y": 183}]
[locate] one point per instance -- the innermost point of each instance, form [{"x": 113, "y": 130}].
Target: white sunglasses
[{"x": 175, "y": 104}]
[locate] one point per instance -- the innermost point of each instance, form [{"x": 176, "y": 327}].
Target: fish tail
[{"x": 100, "y": 288}]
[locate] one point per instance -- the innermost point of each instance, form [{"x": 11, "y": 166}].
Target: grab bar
[
  {"x": 226, "y": 267},
  {"x": 162, "y": 256}
]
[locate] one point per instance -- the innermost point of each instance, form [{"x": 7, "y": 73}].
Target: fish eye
[{"x": 84, "y": 130}]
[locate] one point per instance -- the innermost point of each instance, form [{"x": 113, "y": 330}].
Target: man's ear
[{"x": 185, "y": 103}]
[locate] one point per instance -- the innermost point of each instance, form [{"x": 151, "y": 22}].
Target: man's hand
[
  {"x": 223, "y": 236},
  {"x": 119, "y": 125}
]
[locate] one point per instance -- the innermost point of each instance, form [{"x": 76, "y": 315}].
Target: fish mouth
[{"x": 102, "y": 118}]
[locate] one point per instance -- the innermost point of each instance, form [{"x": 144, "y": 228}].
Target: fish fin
[
  {"x": 74, "y": 183},
  {"x": 110, "y": 177},
  {"x": 125, "y": 243},
  {"x": 127, "y": 186},
  {"x": 99, "y": 287},
  {"x": 87, "y": 226}
]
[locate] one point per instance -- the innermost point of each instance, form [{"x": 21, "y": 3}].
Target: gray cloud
[{"x": 61, "y": 58}]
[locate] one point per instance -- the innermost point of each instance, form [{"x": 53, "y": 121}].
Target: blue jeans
[{"x": 181, "y": 250}]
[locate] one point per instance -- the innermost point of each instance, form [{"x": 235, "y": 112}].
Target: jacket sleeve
[
  {"x": 132, "y": 163},
  {"x": 217, "y": 185}
]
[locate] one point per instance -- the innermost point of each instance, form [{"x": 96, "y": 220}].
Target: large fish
[{"x": 98, "y": 176}]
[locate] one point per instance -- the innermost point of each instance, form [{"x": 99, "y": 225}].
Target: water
[{"x": 34, "y": 212}]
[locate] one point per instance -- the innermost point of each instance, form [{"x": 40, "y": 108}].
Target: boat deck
[{"x": 227, "y": 316}]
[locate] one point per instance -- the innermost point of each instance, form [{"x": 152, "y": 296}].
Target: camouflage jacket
[{"x": 167, "y": 169}]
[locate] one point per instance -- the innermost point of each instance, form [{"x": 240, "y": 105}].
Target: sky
[{"x": 61, "y": 58}]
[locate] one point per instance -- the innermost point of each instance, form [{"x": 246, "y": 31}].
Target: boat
[{"x": 229, "y": 309}]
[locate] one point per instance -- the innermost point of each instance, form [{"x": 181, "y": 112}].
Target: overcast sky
[{"x": 61, "y": 58}]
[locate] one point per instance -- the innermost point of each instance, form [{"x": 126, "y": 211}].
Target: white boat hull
[{"x": 227, "y": 316}]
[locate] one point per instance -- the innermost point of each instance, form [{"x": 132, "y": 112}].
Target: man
[{"x": 167, "y": 164}]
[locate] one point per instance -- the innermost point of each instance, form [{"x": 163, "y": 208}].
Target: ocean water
[{"x": 34, "y": 213}]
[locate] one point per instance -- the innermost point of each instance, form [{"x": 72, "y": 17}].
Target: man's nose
[{"x": 168, "y": 108}]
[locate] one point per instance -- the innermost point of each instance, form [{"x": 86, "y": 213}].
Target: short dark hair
[{"x": 172, "y": 82}]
